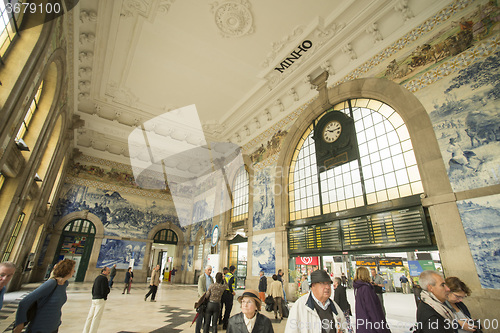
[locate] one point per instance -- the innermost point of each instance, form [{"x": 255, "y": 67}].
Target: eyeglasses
[
  {"x": 246, "y": 302},
  {"x": 458, "y": 296}
]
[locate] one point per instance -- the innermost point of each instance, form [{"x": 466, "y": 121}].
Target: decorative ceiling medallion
[{"x": 233, "y": 18}]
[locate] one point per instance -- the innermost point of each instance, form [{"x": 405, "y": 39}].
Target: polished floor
[{"x": 173, "y": 311}]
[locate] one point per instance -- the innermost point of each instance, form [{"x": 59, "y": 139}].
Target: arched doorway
[
  {"x": 238, "y": 249},
  {"x": 76, "y": 242},
  {"x": 163, "y": 251}
]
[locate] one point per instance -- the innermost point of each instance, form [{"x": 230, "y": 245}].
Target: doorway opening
[
  {"x": 163, "y": 252},
  {"x": 76, "y": 243},
  {"x": 238, "y": 248}
]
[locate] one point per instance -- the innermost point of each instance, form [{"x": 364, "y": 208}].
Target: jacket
[
  {"x": 236, "y": 324},
  {"x": 369, "y": 313},
  {"x": 340, "y": 297},
  {"x": 100, "y": 288},
  {"x": 202, "y": 284},
  {"x": 129, "y": 276},
  {"x": 263, "y": 284},
  {"x": 303, "y": 317},
  {"x": 155, "y": 278},
  {"x": 50, "y": 298},
  {"x": 428, "y": 320},
  {"x": 276, "y": 289}
]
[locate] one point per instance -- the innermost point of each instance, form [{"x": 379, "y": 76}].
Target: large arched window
[
  {"x": 30, "y": 113},
  {"x": 9, "y": 22},
  {"x": 239, "y": 211},
  {"x": 385, "y": 170}
]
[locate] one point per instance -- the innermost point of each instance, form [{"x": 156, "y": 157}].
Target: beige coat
[
  {"x": 275, "y": 289},
  {"x": 155, "y": 278}
]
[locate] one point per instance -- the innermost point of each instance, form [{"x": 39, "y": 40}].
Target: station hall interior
[{"x": 267, "y": 135}]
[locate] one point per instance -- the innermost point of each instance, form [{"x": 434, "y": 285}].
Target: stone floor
[{"x": 173, "y": 311}]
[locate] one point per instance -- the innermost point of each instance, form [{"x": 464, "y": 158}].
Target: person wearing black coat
[
  {"x": 250, "y": 307},
  {"x": 340, "y": 297},
  {"x": 262, "y": 286}
]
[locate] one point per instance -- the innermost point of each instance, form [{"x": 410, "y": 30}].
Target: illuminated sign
[
  {"x": 390, "y": 262},
  {"x": 366, "y": 262}
]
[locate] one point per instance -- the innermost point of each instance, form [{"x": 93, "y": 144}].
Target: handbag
[
  {"x": 31, "y": 313},
  {"x": 202, "y": 303}
]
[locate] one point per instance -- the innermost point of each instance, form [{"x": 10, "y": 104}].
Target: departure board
[
  {"x": 387, "y": 229},
  {"x": 390, "y": 229},
  {"x": 313, "y": 238}
]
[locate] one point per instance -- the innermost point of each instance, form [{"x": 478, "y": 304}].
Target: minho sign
[{"x": 295, "y": 55}]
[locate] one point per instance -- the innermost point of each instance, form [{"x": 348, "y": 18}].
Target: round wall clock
[{"x": 332, "y": 131}]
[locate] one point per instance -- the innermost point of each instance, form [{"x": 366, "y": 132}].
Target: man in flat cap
[{"x": 316, "y": 310}]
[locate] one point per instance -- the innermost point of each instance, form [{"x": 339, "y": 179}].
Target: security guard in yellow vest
[{"x": 227, "y": 296}]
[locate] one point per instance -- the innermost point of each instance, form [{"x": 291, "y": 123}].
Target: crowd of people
[{"x": 440, "y": 306}]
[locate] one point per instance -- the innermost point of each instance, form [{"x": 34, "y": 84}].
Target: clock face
[{"x": 332, "y": 131}]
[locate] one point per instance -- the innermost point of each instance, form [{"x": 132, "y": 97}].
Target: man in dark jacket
[
  {"x": 432, "y": 314},
  {"x": 227, "y": 296},
  {"x": 262, "y": 286},
  {"x": 100, "y": 291}
]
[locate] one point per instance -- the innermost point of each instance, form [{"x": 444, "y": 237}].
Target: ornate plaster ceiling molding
[
  {"x": 402, "y": 7},
  {"x": 276, "y": 71},
  {"x": 276, "y": 47},
  {"x": 213, "y": 128},
  {"x": 88, "y": 16},
  {"x": 145, "y": 8},
  {"x": 121, "y": 95},
  {"x": 233, "y": 18}
]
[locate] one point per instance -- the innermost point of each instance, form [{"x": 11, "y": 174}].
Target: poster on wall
[
  {"x": 122, "y": 253},
  {"x": 480, "y": 218},
  {"x": 264, "y": 254}
]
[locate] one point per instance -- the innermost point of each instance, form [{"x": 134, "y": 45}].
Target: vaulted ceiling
[{"x": 135, "y": 60}]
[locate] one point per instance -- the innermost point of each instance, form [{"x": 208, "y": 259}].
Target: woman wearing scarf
[{"x": 432, "y": 314}]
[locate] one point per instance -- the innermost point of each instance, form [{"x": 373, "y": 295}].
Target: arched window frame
[
  {"x": 9, "y": 23},
  {"x": 307, "y": 197},
  {"x": 80, "y": 226},
  {"x": 241, "y": 184},
  {"x": 30, "y": 113},
  {"x": 166, "y": 236}
]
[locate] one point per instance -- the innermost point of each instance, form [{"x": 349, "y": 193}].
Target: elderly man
[
  {"x": 204, "y": 281},
  {"x": 315, "y": 311},
  {"x": 7, "y": 270},
  {"x": 432, "y": 314},
  {"x": 153, "y": 284}
]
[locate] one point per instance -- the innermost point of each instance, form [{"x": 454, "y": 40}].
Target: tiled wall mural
[
  {"x": 122, "y": 215},
  {"x": 264, "y": 254},
  {"x": 480, "y": 218},
  {"x": 195, "y": 227},
  {"x": 263, "y": 199},
  {"x": 467, "y": 125},
  {"x": 121, "y": 253},
  {"x": 183, "y": 262},
  {"x": 190, "y": 258},
  {"x": 105, "y": 171}
]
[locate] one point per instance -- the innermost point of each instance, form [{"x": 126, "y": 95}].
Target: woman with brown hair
[
  {"x": 459, "y": 291},
  {"x": 212, "y": 311},
  {"x": 369, "y": 314},
  {"x": 49, "y": 298}
]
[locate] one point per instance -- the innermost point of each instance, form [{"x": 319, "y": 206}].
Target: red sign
[{"x": 307, "y": 261}]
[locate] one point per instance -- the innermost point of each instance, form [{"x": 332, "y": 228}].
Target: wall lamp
[{"x": 21, "y": 145}]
